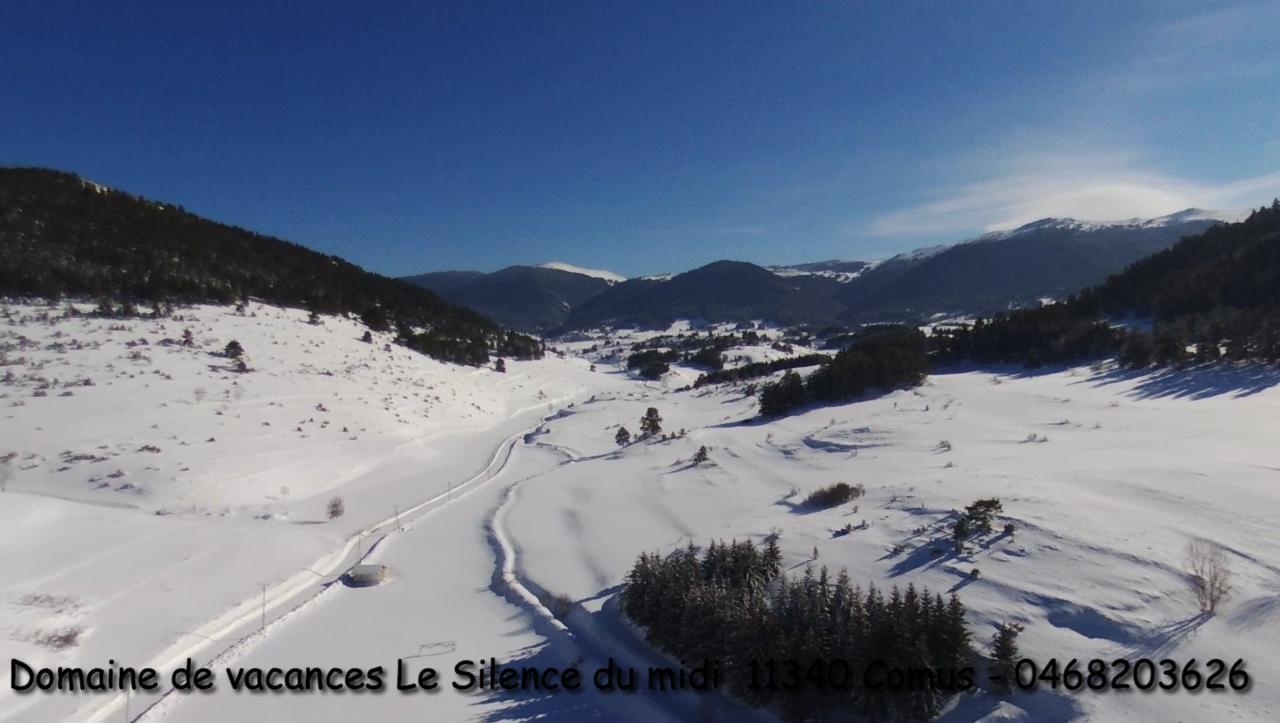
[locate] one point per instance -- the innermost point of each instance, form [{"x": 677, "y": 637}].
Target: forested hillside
[
  {"x": 1210, "y": 296},
  {"x": 719, "y": 291},
  {"x": 527, "y": 298},
  {"x": 63, "y": 236},
  {"x": 1048, "y": 258}
]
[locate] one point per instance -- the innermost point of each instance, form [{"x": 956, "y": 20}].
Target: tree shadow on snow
[
  {"x": 1164, "y": 639},
  {"x": 1202, "y": 381},
  {"x": 758, "y": 421},
  {"x": 1257, "y": 612},
  {"x": 1199, "y": 382},
  {"x": 561, "y": 704},
  {"x": 1042, "y": 706}
]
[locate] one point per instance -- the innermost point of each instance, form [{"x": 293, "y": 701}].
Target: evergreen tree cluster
[
  {"x": 652, "y": 363},
  {"x": 693, "y": 341},
  {"x": 650, "y": 423},
  {"x": 1052, "y": 334},
  {"x": 61, "y": 236},
  {"x": 882, "y": 357},
  {"x": 1234, "y": 266},
  {"x": 833, "y": 495},
  {"x": 759, "y": 369},
  {"x": 708, "y": 356},
  {"x": 733, "y": 604}
]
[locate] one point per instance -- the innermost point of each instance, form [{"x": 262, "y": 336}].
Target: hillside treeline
[
  {"x": 880, "y": 357},
  {"x": 62, "y": 236},
  {"x": 1212, "y": 296},
  {"x": 733, "y": 604}
]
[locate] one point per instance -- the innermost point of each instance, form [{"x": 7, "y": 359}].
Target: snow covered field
[{"x": 1105, "y": 477}]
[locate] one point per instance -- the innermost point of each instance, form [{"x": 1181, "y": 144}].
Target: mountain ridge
[{"x": 1046, "y": 258}]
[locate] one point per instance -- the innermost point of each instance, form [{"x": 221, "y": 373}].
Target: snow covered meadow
[{"x": 154, "y": 509}]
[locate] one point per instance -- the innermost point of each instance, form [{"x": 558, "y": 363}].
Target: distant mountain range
[
  {"x": 1049, "y": 258},
  {"x": 532, "y": 298},
  {"x": 61, "y": 235}
]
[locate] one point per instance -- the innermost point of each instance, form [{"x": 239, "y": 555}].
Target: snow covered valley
[{"x": 164, "y": 505}]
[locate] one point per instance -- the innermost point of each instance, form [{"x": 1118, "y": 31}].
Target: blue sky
[{"x": 647, "y": 137}]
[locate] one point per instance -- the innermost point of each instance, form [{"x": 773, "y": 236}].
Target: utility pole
[
  {"x": 398, "y": 525},
  {"x": 264, "y": 606}
]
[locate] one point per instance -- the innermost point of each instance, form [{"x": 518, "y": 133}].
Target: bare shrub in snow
[
  {"x": 1209, "y": 573},
  {"x": 60, "y": 639}
]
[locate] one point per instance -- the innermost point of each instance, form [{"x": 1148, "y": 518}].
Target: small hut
[{"x": 367, "y": 574}]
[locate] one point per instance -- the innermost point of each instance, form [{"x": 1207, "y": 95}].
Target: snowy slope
[
  {"x": 149, "y": 506},
  {"x": 1132, "y": 468},
  {"x": 1104, "y": 475},
  {"x": 595, "y": 273},
  {"x": 1071, "y": 224}
]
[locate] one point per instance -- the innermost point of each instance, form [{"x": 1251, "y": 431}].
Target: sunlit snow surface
[{"x": 1132, "y": 467}]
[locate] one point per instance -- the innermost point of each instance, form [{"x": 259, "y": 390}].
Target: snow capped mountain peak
[
  {"x": 596, "y": 273},
  {"x": 921, "y": 253},
  {"x": 1072, "y": 224},
  {"x": 840, "y": 270},
  {"x": 1198, "y": 214}
]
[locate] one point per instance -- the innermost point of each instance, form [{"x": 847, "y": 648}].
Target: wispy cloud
[
  {"x": 1096, "y": 187},
  {"x": 1224, "y": 45},
  {"x": 1070, "y": 170}
]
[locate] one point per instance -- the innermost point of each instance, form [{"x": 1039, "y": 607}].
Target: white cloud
[
  {"x": 1225, "y": 45},
  {"x": 1067, "y": 169},
  {"x": 1099, "y": 187}
]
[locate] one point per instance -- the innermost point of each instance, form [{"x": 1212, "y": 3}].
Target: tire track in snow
[
  {"x": 300, "y": 591},
  {"x": 597, "y": 637}
]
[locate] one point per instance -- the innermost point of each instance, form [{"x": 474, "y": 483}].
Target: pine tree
[
  {"x": 650, "y": 423},
  {"x": 701, "y": 455},
  {"x": 771, "y": 564},
  {"x": 623, "y": 437},
  {"x": 1004, "y": 651},
  {"x": 233, "y": 350},
  {"x": 336, "y": 508}
]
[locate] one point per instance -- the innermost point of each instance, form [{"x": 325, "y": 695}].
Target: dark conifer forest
[
  {"x": 733, "y": 604},
  {"x": 62, "y": 236},
  {"x": 880, "y": 357}
]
